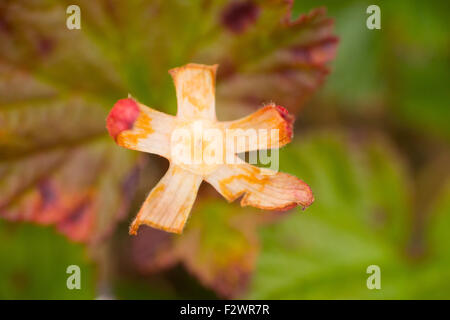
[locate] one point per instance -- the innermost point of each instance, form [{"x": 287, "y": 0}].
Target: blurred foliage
[
  {"x": 363, "y": 219},
  {"x": 34, "y": 262},
  {"x": 372, "y": 144},
  {"x": 219, "y": 246},
  {"x": 376, "y": 205},
  {"x": 400, "y": 70}
]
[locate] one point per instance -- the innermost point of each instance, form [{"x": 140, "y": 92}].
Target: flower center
[{"x": 197, "y": 146}]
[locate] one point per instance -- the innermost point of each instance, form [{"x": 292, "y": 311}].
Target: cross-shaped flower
[{"x": 201, "y": 148}]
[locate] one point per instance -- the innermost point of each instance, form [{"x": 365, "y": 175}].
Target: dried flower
[{"x": 198, "y": 148}]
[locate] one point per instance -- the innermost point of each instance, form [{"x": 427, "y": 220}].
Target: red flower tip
[
  {"x": 288, "y": 118},
  {"x": 122, "y": 116}
]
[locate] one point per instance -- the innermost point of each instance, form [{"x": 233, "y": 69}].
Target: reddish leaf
[
  {"x": 57, "y": 165},
  {"x": 272, "y": 58}
]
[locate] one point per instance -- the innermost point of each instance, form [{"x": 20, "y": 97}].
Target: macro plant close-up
[{"x": 128, "y": 168}]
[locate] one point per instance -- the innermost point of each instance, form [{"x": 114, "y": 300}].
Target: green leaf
[
  {"x": 361, "y": 217},
  {"x": 35, "y": 261},
  {"x": 398, "y": 74}
]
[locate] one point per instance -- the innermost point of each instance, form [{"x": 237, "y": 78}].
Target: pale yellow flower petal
[
  {"x": 261, "y": 188},
  {"x": 195, "y": 86},
  {"x": 168, "y": 205},
  {"x": 266, "y": 119}
]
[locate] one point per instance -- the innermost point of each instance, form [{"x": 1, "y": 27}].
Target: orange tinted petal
[
  {"x": 261, "y": 188},
  {"x": 168, "y": 205},
  {"x": 138, "y": 127},
  {"x": 267, "y": 118},
  {"x": 195, "y": 86}
]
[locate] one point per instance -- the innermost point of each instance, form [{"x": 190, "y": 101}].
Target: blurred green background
[{"x": 371, "y": 139}]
